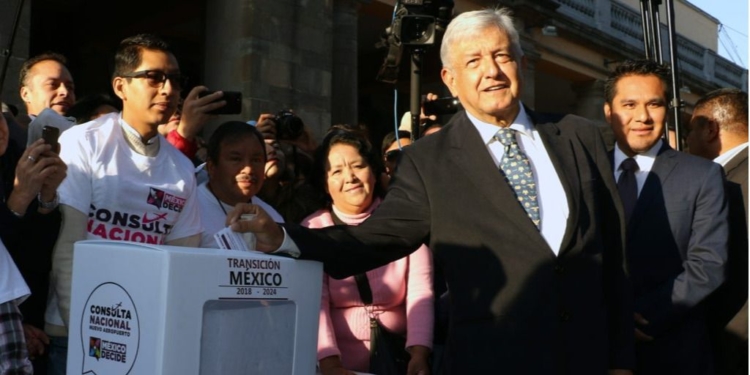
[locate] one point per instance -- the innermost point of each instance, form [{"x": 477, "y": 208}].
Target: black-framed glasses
[{"x": 157, "y": 78}]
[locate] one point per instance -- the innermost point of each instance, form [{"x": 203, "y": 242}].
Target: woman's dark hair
[
  {"x": 391, "y": 137},
  {"x": 233, "y": 131},
  {"x": 343, "y": 135}
]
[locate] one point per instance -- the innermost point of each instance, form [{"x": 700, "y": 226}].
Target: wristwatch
[{"x": 48, "y": 205}]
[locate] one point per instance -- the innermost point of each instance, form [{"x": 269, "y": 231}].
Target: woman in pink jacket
[{"x": 345, "y": 168}]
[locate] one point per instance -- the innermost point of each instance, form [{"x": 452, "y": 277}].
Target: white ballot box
[{"x": 148, "y": 309}]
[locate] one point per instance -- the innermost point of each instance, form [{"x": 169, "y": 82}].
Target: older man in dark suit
[
  {"x": 677, "y": 224},
  {"x": 718, "y": 131},
  {"x": 522, "y": 215}
]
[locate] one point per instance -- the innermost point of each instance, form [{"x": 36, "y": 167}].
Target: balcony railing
[{"x": 624, "y": 23}]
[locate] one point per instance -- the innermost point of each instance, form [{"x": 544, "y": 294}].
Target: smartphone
[
  {"x": 233, "y": 106},
  {"x": 441, "y": 106},
  {"x": 50, "y": 135}
]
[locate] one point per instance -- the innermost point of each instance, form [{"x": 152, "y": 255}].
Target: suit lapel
[
  {"x": 560, "y": 151},
  {"x": 469, "y": 154},
  {"x": 736, "y": 161},
  {"x": 663, "y": 166}
]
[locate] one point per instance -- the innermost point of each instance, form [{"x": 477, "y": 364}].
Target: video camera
[
  {"x": 424, "y": 19},
  {"x": 415, "y": 24}
]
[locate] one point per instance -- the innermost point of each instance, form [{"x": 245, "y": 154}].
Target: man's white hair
[{"x": 474, "y": 23}]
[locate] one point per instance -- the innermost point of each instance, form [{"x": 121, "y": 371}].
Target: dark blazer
[
  {"x": 676, "y": 251},
  {"x": 736, "y": 170},
  {"x": 29, "y": 240},
  {"x": 515, "y": 307},
  {"x": 728, "y": 305}
]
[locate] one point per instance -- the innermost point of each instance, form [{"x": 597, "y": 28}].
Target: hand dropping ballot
[{"x": 231, "y": 240}]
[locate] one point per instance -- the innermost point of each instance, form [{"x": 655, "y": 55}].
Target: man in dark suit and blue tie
[
  {"x": 677, "y": 225},
  {"x": 520, "y": 210},
  {"x": 718, "y": 131}
]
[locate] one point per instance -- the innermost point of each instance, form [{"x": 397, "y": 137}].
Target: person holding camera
[{"x": 289, "y": 146}]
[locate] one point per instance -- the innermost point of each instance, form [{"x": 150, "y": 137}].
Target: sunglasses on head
[
  {"x": 393, "y": 155},
  {"x": 157, "y": 78}
]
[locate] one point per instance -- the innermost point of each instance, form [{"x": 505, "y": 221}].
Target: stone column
[
  {"x": 344, "y": 83},
  {"x": 9, "y": 93},
  {"x": 278, "y": 53}
]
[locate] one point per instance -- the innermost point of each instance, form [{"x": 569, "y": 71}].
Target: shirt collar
[
  {"x": 724, "y": 158},
  {"x": 135, "y": 141},
  {"x": 645, "y": 160},
  {"x": 522, "y": 123}
]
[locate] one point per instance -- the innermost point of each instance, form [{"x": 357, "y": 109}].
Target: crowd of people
[{"x": 507, "y": 240}]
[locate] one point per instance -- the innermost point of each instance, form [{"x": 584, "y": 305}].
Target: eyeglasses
[
  {"x": 157, "y": 78},
  {"x": 393, "y": 155}
]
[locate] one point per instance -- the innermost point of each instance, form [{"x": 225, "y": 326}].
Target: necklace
[{"x": 221, "y": 205}]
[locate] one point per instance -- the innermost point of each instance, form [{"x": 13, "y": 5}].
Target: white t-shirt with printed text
[{"x": 126, "y": 196}]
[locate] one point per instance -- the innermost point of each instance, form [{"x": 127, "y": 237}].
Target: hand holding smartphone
[
  {"x": 233, "y": 106},
  {"x": 50, "y": 134}
]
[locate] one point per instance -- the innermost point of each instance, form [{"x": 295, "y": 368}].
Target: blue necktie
[{"x": 515, "y": 165}]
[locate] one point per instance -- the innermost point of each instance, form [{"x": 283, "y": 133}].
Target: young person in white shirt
[{"x": 124, "y": 182}]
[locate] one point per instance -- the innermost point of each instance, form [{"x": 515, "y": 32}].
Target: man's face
[
  {"x": 238, "y": 174},
  {"x": 485, "y": 75},
  {"x": 699, "y": 134},
  {"x": 275, "y": 159},
  {"x": 146, "y": 103},
  {"x": 637, "y": 112},
  {"x": 48, "y": 85}
]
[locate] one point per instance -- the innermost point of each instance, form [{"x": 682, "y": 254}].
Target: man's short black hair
[
  {"x": 729, "y": 107},
  {"x": 636, "y": 68},
  {"x": 231, "y": 130},
  {"x": 129, "y": 52}
]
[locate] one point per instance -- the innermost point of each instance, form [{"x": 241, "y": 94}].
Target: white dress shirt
[
  {"x": 724, "y": 158},
  {"x": 553, "y": 203},
  {"x": 645, "y": 162}
]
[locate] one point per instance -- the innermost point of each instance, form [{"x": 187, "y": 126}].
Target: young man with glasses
[{"x": 124, "y": 182}]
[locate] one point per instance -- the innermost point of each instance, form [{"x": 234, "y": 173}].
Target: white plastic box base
[{"x": 147, "y": 309}]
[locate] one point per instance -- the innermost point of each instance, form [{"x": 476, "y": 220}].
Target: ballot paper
[{"x": 231, "y": 240}]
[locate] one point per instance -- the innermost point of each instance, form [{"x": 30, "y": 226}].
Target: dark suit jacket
[
  {"x": 728, "y": 305},
  {"x": 515, "y": 307},
  {"x": 676, "y": 251},
  {"x": 736, "y": 170}
]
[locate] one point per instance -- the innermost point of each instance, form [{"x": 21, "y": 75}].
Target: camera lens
[{"x": 288, "y": 125}]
